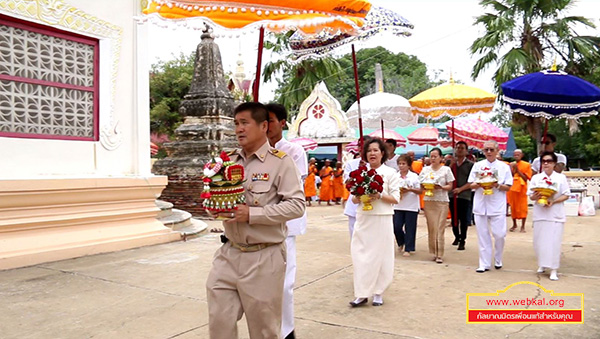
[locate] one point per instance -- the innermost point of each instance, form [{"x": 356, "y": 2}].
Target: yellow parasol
[
  {"x": 452, "y": 100},
  {"x": 276, "y": 15}
]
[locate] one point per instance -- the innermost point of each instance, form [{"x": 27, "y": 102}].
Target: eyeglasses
[
  {"x": 489, "y": 149},
  {"x": 547, "y": 161}
]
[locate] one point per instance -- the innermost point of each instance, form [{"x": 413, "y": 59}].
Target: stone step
[
  {"x": 165, "y": 208},
  {"x": 182, "y": 222}
]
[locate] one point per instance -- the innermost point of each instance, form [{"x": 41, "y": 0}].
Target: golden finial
[{"x": 554, "y": 67}]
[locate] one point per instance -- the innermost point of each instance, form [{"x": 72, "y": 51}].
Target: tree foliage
[
  {"x": 169, "y": 82},
  {"x": 523, "y": 36},
  {"x": 403, "y": 74}
]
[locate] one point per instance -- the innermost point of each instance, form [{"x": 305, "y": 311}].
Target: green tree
[
  {"x": 403, "y": 74},
  {"x": 169, "y": 82},
  {"x": 532, "y": 31}
]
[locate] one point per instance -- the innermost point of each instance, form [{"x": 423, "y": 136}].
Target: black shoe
[
  {"x": 377, "y": 303},
  {"x": 455, "y": 242},
  {"x": 291, "y": 335},
  {"x": 497, "y": 267},
  {"x": 353, "y": 303},
  {"x": 461, "y": 246},
  {"x": 481, "y": 270}
]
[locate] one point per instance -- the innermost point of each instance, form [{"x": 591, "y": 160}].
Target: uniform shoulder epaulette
[{"x": 278, "y": 153}]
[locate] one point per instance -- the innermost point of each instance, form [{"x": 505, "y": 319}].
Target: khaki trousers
[
  {"x": 246, "y": 282},
  {"x": 436, "y": 213}
]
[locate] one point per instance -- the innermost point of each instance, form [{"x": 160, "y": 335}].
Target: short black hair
[
  {"x": 277, "y": 109},
  {"x": 257, "y": 110},
  {"x": 391, "y": 141},
  {"x": 462, "y": 143},
  {"x": 552, "y": 154},
  {"x": 379, "y": 142},
  {"x": 549, "y": 136},
  {"x": 436, "y": 149}
]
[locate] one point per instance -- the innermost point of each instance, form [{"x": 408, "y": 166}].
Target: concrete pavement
[{"x": 158, "y": 291}]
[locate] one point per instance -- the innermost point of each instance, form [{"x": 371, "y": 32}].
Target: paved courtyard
[{"x": 158, "y": 291}]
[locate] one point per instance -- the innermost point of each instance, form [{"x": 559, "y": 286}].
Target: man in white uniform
[
  {"x": 490, "y": 210},
  {"x": 548, "y": 145},
  {"x": 350, "y": 208},
  {"x": 390, "y": 148},
  {"x": 277, "y": 119}
]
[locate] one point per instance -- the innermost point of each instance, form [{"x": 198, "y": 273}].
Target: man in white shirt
[
  {"x": 548, "y": 145},
  {"x": 350, "y": 208},
  {"x": 277, "y": 120},
  {"x": 390, "y": 148},
  {"x": 490, "y": 210}
]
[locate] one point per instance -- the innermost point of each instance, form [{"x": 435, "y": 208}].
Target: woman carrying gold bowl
[
  {"x": 549, "y": 219},
  {"x": 372, "y": 245},
  {"x": 436, "y": 205}
]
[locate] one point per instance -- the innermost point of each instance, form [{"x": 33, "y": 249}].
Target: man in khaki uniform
[{"x": 249, "y": 269}]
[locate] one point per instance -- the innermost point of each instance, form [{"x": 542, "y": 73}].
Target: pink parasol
[
  {"x": 306, "y": 143},
  {"x": 389, "y": 134},
  {"x": 427, "y": 135},
  {"x": 476, "y": 132}
]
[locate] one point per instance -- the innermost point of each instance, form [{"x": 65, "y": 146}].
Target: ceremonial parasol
[
  {"x": 392, "y": 108},
  {"x": 476, "y": 132},
  {"x": 276, "y": 15},
  {"x": 352, "y": 147},
  {"x": 427, "y": 135},
  {"x": 551, "y": 94},
  {"x": 389, "y": 134},
  {"x": 306, "y": 143},
  {"x": 452, "y": 100}
]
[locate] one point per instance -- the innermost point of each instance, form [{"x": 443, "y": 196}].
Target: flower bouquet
[
  {"x": 546, "y": 188},
  {"x": 486, "y": 177},
  {"x": 428, "y": 182},
  {"x": 363, "y": 182},
  {"x": 223, "y": 189}
]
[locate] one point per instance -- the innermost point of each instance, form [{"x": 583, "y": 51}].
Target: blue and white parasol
[{"x": 551, "y": 94}]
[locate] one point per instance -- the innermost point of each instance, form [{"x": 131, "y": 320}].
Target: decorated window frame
[{"x": 37, "y": 99}]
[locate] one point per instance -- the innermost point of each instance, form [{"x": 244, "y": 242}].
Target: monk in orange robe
[
  {"x": 310, "y": 189},
  {"x": 338, "y": 183},
  {"x": 518, "y": 192},
  {"x": 326, "y": 175}
]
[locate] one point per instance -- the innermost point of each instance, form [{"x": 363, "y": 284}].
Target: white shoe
[
  {"x": 553, "y": 275},
  {"x": 541, "y": 270}
]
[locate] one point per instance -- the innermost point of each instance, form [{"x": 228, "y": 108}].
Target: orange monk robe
[
  {"x": 310, "y": 188},
  {"x": 518, "y": 191},
  {"x": 338, "y": 184},
  {"x": 326, "y": 193}
]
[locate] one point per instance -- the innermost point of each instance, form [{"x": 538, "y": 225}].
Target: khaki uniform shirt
[{"x": 273, "y": 192}]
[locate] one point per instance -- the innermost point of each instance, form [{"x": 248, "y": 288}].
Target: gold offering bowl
[
  {"x": 545, "y": 193},
  {"x": 487, "y": 187},
  {"x": 429, "y": 187},
  {"x": 366, "y": 200}
]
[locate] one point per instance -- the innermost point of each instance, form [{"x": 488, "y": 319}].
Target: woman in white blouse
[
  {"x": 549, "y": 220},
  {"x": 406, "y": 211},
  {"x": 436, "y": 206},
  {"x": 372, "y": 245}
]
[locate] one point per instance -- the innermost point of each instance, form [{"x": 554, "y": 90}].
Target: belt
[{"x": 252, "y": 248}]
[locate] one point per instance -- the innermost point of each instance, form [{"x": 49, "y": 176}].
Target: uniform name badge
[{"x": 260, "y": 176}]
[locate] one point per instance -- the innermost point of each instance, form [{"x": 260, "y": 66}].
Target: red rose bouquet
[
  {"x": 223, "y": 189},
  {"x": 363, "y": 182}
]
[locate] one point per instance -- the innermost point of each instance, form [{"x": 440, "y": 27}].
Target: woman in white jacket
[
  {"x": 372, "y": 245},
  {"x": 549, "y": 220}
]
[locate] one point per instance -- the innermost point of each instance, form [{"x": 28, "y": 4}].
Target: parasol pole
[
  {"x": 455, "y": 170},
  {"x": 261, "y": 42},
  {"x": 360, "y": 130},
  {"x": 544, "y": 136},
  {"x": 382, "y": 136}
]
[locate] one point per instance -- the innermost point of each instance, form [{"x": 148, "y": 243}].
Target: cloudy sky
[{"x": 442, "y": 35}]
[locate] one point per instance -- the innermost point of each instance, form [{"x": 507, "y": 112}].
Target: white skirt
[
  {"x": 372, "y": 250},
  {"x": 547, "y": 238}
]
